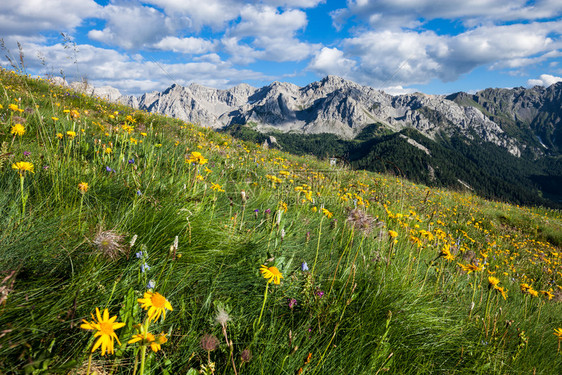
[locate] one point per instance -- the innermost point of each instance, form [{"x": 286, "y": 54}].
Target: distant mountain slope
[{"x": 503, "y": 143}]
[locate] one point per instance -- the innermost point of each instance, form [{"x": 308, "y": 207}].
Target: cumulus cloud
[
  {"x": 188, "y": 45},
  {"x": 332, "y": 61},
  {"x": 25, "y": 18},
  {"x": 135, "y": 75},
  {"x": 132, "y": 26},
  {"x": 544, "y": 80},
  {"x": 405, "y": 57},
  {"x": 272, "y": 33},
  {"x": 413, "y": 13}
]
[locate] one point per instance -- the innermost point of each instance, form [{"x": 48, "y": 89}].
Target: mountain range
[{"x": 494, "y": 137}]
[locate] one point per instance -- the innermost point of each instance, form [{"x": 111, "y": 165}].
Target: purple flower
[
  {"x": 108, "y": 169},
  {"x": 256, "y": 210},
  {"x": 268, "y": 211},
  {"x": 292, "y": 303},
  {"x": 131, "y": 161},
  {"x": 139, "y": 192},
  {"x": 26, "y": 153},
  {"x": 319, "y": 293},
  {"x": 304, "y": 267},
  {"x": 139, "y": 254},
  {"x": 145, "y": 267},
  {"x": 45, "y": 167}
]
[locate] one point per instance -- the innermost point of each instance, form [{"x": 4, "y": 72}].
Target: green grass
[{"x": 368, "y": 304}]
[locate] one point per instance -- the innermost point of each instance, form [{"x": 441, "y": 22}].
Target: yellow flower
[
  {"x": 558, "y": 333},
  {"x": 392, "y": 233},
  {"x": 156, "y": 345},
  {"x": 493, "y": 281},
  {"x": 22, "y": 167},
  {"x": 108, "y": 150},
  {"x": 470, "y": 268},
  {"x": 271, "y": 274},
  {"x": 83, "y": 187},
  {"x": 327, "y": 213},
  {"x": 18, "y": 129},
  {"x": 216, "y": 187},
  {"x": 547, "y": 294},
  {"x": 446, "y": 253},
  {"x": 156, "y": 304},
  {"x": 71, "y": 134},
  {"x": 55, "y": 118},
  {"x": 196, "y": 158},
  {"x": 13, "y": 107},
  {"x": 105, "y": 328},
  {"x": 502, "y": 291}
]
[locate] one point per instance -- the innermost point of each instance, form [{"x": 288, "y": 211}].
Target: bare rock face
[
  {"x": 104, "y": 92},
  {"x": 338, "y": 106}
]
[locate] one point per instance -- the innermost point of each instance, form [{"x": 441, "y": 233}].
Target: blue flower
[
  {"x": 151, "y": 284},
  {"x": 139, "y": 254},
  {"x": 145, "y": 267},
  {"x": 139, "y": 192},
  {"x": 108, "y": 169},
  {"x": 304, "y": 266},
  {"x": 131, "y": 161}
]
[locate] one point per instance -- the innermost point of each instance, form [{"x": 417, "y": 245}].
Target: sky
[{"x": 399, "y": 46}]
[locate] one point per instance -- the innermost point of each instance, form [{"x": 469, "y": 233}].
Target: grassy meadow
[{"x": 250, "y": 261}]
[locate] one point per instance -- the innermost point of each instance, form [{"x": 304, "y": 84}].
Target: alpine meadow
[{"x": 136, "y": 243}]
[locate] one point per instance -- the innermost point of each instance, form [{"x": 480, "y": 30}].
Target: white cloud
[
  {"x": 188, "y": 45},
  {"x": 413, "y": 13},
  {"x": 544, "y": 80},
  {"x": 132, "y": 27},
  {"x": 332, "y": 61},
  {"x": 405, "y": 57},
  {"x": 102, "y": 67}
]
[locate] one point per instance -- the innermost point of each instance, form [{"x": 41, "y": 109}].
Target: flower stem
[
  {"x": 89, "y": 364},
  {"x": 263, "y": 305},
  {"x": 22, "y": 197}
]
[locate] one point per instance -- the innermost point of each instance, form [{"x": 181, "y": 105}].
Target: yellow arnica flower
[
  {"x": 558, "y": 333},
  {"x": 13, "y": 107},
  {"x": 156, "y": 304},
  {"x": 148, "y": 338},
  {"x": 18, "y": 129},
  {"x": 83, "y": 187},
  {"x": 271, "y": 274},
  {"x": 105, "y": 330},
  {"x": 493, "y": 281},
  {"x": 446, "y": 253},
  {"x": 59, "y": 135},
  {"x": 327, "y": 213},
  {"x": 393, "y": 233},
  {"x": 108, "y": 150},
  {"x": 22, "y": 167},
  {"x": 196, "y": 158},
  {"x": 71, "y": 134}
]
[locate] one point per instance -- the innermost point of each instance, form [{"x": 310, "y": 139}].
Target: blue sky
[{"x": 432, "y": 46}]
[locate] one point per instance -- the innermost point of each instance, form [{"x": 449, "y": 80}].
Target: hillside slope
[{"x": 254, "y": 260}]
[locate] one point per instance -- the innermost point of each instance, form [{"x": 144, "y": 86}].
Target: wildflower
[
  {"x": 108, "y": 169},
  {"x": 151, "y": 284},
  {"x": 558, "y": 333},
  {"x": 292, "y": 303},
  {"x": 71, "y": 134},
  {"x": 18, "y": 129},
  {"x": 13, "y": 107},
  {"x": 156, "y": 344},
  {"x": 108, "y": 150},
  {"x": 26, "y": 153},
  {"x": 105, "y": 328},
  {"x": 304, "y": 267},
  {"x": 446, "y": 253},
  {"x": 246, "y": 356},
  {"x": 392, "y": 233},
  {"x": 22, "y": 167},
  {"x": 493, "y": 281},
  {"x": 470, "y": 268},
  {"x": 271, "y": 274},
  {"x": 139, "y": 254},
  {"x": 139, "y": 193},
  {"x": 196, "y": 158},
  {"x": 109, "y": 243},
  {"x": 327, "y": 213},
  {"x": 319, "y": 293},
  {"x": 131, "y": 161},
  {"x": 83, "y": 187},
  {"x": 216, "y": 187},
  {"x": 156, "y": 304},
  {"x": 222, "y": 317},
  {"x": 132, "y": 243},
  {"x": 502, "y": 291},
  {"x": 54, "y": 118},
  {"x": 209, "y": 342},
  {"x": 60, "y": 136},
  {"x": 148, "y": 338},
  {"x": 547, "y": 294},
  {"x": 145, "y": 267}
]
